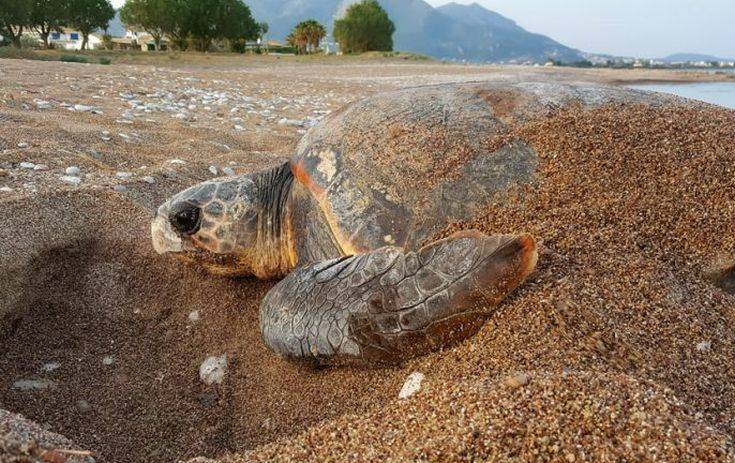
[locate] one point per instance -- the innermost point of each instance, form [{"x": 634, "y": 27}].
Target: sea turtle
[{"x": 350, "y": 218}]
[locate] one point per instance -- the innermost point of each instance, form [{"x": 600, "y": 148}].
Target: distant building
[{"x": 69, "y": 39}]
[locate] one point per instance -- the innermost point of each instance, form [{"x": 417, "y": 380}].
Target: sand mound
[
  {"x": 565, "y": 417},
  {"x": 625, "y": 331},
  {"x": 634, "y": 206}
]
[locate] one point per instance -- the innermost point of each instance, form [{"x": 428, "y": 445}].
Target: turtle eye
[{"x": 185, "y": 218}]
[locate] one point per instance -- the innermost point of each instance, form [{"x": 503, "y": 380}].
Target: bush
[
  {"x": 365, "y": 27},
  {"x": 30, "y": 42},
  {"x": 73, "y": 59},
  {"x": 105, "y": 61},
  {"x": 284, "y": 50}
]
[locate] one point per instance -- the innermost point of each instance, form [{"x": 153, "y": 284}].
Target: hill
[{"x": 453, "y": 31}]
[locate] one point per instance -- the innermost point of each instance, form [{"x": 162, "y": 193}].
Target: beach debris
[
  {"x": 412, "y": 385},
  {"x": 213, "y": 370}
]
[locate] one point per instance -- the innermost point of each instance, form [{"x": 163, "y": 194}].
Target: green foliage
[
  {"x": 15, "y": 16},
  {"x": 88, "y": 15},
  {"x": 365, "y": 27},
  {"x": 107, "y": 42},
  {"x": 208, "y": 20},
  {"x": 73, "y": 59},
  {"x": 151, "y": 16},
  {"x": 105, "y": 61},
  {"x": 48, "y": 16},
  {"x": 306, "y": 36}
]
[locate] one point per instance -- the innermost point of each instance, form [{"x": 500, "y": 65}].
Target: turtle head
[
  {"x": 214, "y": 224},
  {"x": 236, "y": 226}
]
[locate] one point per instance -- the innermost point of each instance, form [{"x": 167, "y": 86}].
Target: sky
[{"x": 643, "y": 28}]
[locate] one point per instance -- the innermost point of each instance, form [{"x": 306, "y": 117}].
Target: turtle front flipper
[{"x": 386, "y": 306}]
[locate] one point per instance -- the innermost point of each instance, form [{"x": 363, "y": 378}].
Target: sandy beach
[{"x": 619, "y": 348}]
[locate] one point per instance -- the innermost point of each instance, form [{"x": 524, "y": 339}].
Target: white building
[{"x": 72, "y": 40}]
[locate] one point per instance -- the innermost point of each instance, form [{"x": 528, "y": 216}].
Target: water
[{"x": 719, "y": 93}]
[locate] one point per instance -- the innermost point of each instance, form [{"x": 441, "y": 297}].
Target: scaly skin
[{"x": 386, "y": 306}]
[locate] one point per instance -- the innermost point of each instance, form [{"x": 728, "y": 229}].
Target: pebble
[
  {"x": 83, "y": 108},
  {"x": 517, "y": 381},
  {"x": 22, "y": 145},
  {"x": 149, "y": 179},
  {"x": 33, "y": 384},
  {"x": 207, "y": 399},
  {"x": 213, "y": 170},
  {"x": 27, "y": 165},
  {"x": 194, "y": 316},
  {"x": 123, "y": 174},
  {"x": 229, "y": 171},
  {"x": 40, "y": 167},
  {"x": 412, "y": 385},
  {"x": 704, "y": 346},
  {"x": 6, "y": 189},
  {"x": 213, "y": 370},
  {"x": 49, "y": 367},
  {"x": 108, "y": 360},
  {"x": 176, "y": 161},
  {"x": 73, "y": 170},
  {"x": 119, "y": 188},
  {"x": 83, "y": 406},
  {"x": 71, "y": 179}
]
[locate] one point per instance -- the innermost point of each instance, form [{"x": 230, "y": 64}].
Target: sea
[{"x": 719, "y": 93}]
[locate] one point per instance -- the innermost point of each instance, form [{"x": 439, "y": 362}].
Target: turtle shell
[{"x": 397, "y": 167}]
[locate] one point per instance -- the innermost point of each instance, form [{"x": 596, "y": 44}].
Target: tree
[
  {"x": 48, "y": 16},
  {"x": 15, "y": 16},
  {"x": 148, "y": 15},
  {"x": 306, "y": 36},
  {"x": 208, "y": 20},
  {"x": 263, "y": 29},
  {"x": 175, "y": 24},
  {"x": 365, "y": 27},
  {"x": 89, "y": 15}
]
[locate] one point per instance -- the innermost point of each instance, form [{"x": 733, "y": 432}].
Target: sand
[{"x": 619, "y": 348}]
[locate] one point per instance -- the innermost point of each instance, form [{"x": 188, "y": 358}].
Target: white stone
[
  {"x": 412, "y": 385},
  {"x": 73, "y": 170},
  {"x": 229, "y": 171},
  {"x": 213, "y": 370},
  {"x": 27, "y": 165},
  {"x": 119, "y": 188},
  {"x": 33, "y": 384},
  {"x": 108, "y": 360},
  {"x": 6, "y": 189},
  {"x": 71, "y": 179},
  {"x": 123, "y": 174},
  {"x": 176, "y": 161},
  {"x": 40, "y": 167},
  {"x": 213, "y": 170},
  {"x": 23, "y": 145},
  {"x": 194, "y": 316},
  {"x": 704, "y": 346},
  {"x": 82, "y": 108},
  {"x": 149, "y": 179},
  {"x": 49, "y": 367}
]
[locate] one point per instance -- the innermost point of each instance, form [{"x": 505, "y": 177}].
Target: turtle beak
[{"x": 165, "y": 239}]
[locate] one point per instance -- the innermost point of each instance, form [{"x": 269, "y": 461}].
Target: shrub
[
  {"x": 73, "y": 59},
  {"x": 105, "y": 60}
]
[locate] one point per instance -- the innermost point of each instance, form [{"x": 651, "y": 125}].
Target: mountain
[
  {"x": 453, "y": 31},
  {"x": 283, "y": 15},
  {"x": 685, "y": 57}
]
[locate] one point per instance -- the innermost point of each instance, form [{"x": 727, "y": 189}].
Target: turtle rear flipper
[{"x": 386, "y": 306}]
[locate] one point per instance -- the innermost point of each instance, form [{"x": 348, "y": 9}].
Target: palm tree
[{"x": 306, "y": 36}]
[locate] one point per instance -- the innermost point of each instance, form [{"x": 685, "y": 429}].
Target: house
[
  {"x": 69, "y": 39},
  {"x": 138, "y": 40}
]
